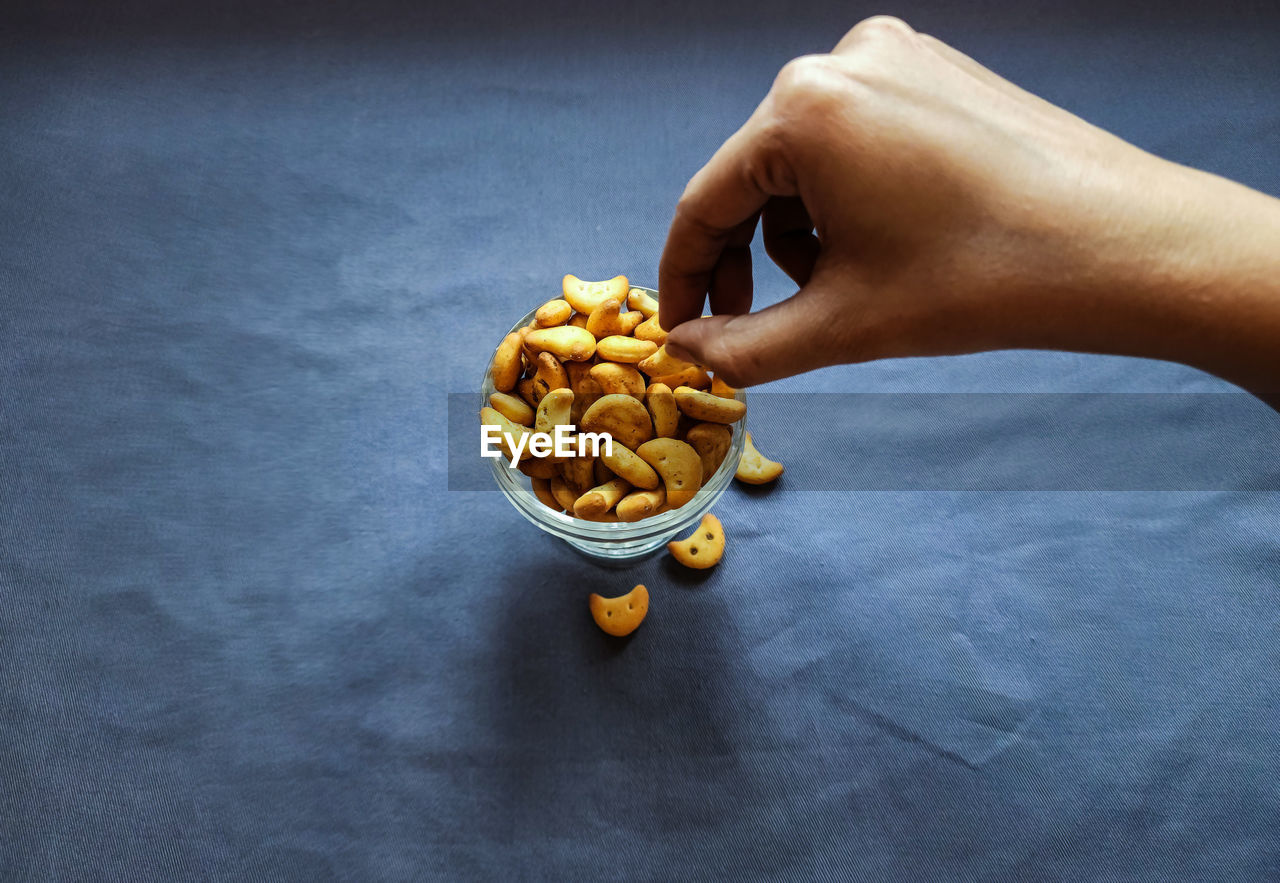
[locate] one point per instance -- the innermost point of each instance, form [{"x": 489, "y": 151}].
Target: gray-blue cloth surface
[{"x": 248, "y": 632}]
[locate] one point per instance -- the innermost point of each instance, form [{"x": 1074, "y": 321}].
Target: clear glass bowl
[{"x": 621, "y": 541}]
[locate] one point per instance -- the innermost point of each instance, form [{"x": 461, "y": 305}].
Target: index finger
[{"x": 729, "y": 190}]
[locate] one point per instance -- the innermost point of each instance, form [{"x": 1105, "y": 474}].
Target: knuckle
[
  {"x": 805, "y": 76},
  {"x": 806, "y": 93},
  {"x": 690, "y": 212},
  {"x": 881, "y": 36},
  {"x": 881, "y": 29},
  {"x": 688, "y": 198}
]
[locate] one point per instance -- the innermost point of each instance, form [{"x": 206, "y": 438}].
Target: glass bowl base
[{"x": 618, "y": 554}]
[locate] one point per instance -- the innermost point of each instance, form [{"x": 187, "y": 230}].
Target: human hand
[{"x": 955, "y": 212}]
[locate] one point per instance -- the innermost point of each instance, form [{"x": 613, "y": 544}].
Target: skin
[{"x": 924, "y": 206}]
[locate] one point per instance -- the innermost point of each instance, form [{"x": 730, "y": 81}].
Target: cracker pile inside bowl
[{"x": 593, "y": 362}]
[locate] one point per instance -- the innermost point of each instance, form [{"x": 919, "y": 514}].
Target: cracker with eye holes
[
  {"x": 585, "y": 296},
  {"x": 703, "y": 548},
  {"x": 622, "y": 615},
  {"x": 679, "y": 466},
  {"x": 622, "y": 416}
]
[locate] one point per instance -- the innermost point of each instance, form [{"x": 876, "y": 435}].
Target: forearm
[{"x": 1197, "y": 282}]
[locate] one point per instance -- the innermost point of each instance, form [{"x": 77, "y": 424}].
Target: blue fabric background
[{"x": 246, "y": 631}]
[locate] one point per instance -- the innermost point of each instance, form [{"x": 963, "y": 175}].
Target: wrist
[{"x": 1181, "y": 265}]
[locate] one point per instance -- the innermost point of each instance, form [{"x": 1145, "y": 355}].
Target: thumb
[{"x": 797, "y": 335}]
